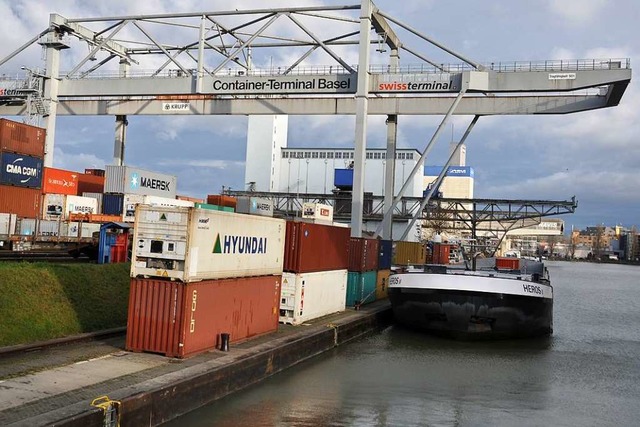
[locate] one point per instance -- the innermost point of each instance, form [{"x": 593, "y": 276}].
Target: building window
[
  {"x": 351, "y": 155},
  {"x": 369, "y": 155},
  {"x": 345, "y": 155},
  {"x": 338, "y": 155},
  {"x": 307, "y": 154},
  {"x": 314, "y": 155},
  {"x": 410, "y": 156},
  {"x": 377, "y": 155},
  {"x": 330, "y": 155},
  {"x": 285, "y": 155},
  {"x": 384, "y": 155},
  {"x": 323, "y": 154}
]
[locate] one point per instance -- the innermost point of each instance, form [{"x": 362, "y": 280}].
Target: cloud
[{"x": 577, "y": 12}]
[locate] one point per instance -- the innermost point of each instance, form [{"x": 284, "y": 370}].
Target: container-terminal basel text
[{"x": 216, "y": 73}]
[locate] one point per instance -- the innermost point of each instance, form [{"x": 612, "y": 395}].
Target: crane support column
[
  {"x": 120, "y": 142},
  {"x": 362, "y": 99}
]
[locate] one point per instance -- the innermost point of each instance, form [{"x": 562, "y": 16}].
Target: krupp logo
[{"x": 134, "y": 180}]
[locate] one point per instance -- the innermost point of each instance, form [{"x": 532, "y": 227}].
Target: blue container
[
  {"x": 112, "y": 204},
  {"x": 384, "y": 255},
  {"x": 343, "y": 178},
  {"x": 361, "y": 287},
  {"x": 21, "y": 170}
]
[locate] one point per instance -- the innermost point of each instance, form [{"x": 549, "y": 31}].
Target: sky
[{"x": 594, "y": 156}]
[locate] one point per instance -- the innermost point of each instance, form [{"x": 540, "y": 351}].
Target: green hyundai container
[{"x": 361, "y": 287}]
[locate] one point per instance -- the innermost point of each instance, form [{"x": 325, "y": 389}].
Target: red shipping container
[
  {"x": 59, "y": 181},
  {"x": 315, "y": 247},
  {"x": 222, "y": 200},
  {"x": 182, "y": 319},
  {"x": 441, "y": 253},
  {"x": 90, "y": 183},
  {"x": 508, "y": 263},
  {"x": 22, "y": 138},
  {"x": 363, "y": 254},
  {"x": 22, "y": 201},
  {"x": 96, "y": 172}
]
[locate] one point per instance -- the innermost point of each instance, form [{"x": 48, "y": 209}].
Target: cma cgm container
[
  {"x": 90, "y": 183},
  {"x": 182, "y": 319},
  {"x": 128, "y": 180},
  {"x": 21, "y": 170},
  {"x": 190, "y": 244},
  {"x": 361, "y": 288},
  {"x": 24, "y": 202},
  {"x": 316, "y": 247},
  {"x": 363, "y": 254},
  {"x": 22, "y": 138},
  {"x": 59, "y": 181},
  {"x": 382, "y": 284},
  {"x": 308, "y": 296}
]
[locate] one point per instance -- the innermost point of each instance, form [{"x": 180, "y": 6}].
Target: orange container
[
  {"x": 59, "y": 181},
  {"x": 88, "y": 183},
  {"x": 96, "y": 172},
  {"x": 441, "y": 253},
  {"x": 22, "y": 201},
  {"x": 22, "y": 138},
  {"x": 508, "y": 263},
  {"x": 222, "y": 200},
  {"x": 182, "y": 319},
  {"x": 190, "y": 199},
  {"x": 89, "y": 217}
]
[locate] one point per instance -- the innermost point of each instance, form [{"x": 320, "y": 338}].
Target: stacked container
[
  {"x": 199, "y": 273},
  {"x": 363, "y": 270},
  {"x": 409, "y": 253},
  {"x": 384, "y": 268},
  {"x": 316, "y": 259},
  {"x": 21, "y": 163}
]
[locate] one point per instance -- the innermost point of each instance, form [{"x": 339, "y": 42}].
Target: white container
[
  {"x": 53, "y": 206},
  {"x": 167, "y": 202},
  {"x": 255, "y": 206},
  {"x": 80, "y": 204},
  {"x": 132, "y": 200},
  {"x": 317, "y": 211},
  {"x": 191, "y": 244},
  {"x": 307, "y": 296},
  {"x": 129, "y": 203},
  {"x": 7, "y": 224},
  {"x": 40, "y": 227},
  {"x": 97, "y": 196},
  {"x": 128, "y": 180}
]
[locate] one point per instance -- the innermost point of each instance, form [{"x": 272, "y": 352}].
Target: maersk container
[
  {"x": 385, "y": 254},
  {"x": 361, "y": 288},
  {"x": 21, "y": 170},
  {"x": 316, "y": 247},
  {"x": 53, "y": 206},
  {"x": 190, "y": 244},
  {"x": 22, "y": 138},
  {"x": 363, "y": 254},
  {"x": 308, "y": 296},
  {"x": 128, "y": 180},
  {"x": 255, "y": 206},
  {"x": 24, "y": 202},
  {"x": 98, "y": 197},
  {"x": 112, "y": 204},
  {"x": 382, "y": 284},
  {"x": 80, "y": 204},
  {"x": 183, "y": 319}
]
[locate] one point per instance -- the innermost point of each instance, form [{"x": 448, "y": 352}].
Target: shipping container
[
  {"x": 308, "y": 296},
  {"x": 386, "y": 255},
  {"x": 255, "y": 206},
  {"x": 361, "y": 288},
  {"x": 363, "y": 254},
  {"x": 79, "y": 204},
  {"x": 128, "y": 180},
  {"x": 41, "y": 228},
  {"x": 90, "y": 183},
  {"x": 190, "y": 199},
  {"x": 96, "y": 172},
  {"x": 440, "y": 253},
  {"x": 214, "y": 207},
  {"x": 343, "y": 179},
  {"x": 24, "y": 202},
  {"x": 129, "y": 204},
  {"x": 409, "y": 253},
  {"x": 98, "y": 197},
  {"x": 182, "y": 319},
  {"x": 21, "y": 170},
  {"x": 507, "y": 263},
  {"x": 60, "y": 181},
  {"x": 222, "y": 200},
  {"x": 53, "y": 206},
  {"x": 8, "y": 224},
  {"x": 22, "y": 138},
  {"x": 315, "y": 247},
  {"x": 112, "y": 204},
  {"x": 190, "y": 244},
  {"x": 317, "y": 211},
  {"x": 382, "y": 284},
  {"x": 133, "y": 200}
]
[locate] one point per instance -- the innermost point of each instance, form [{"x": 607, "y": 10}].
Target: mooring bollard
[{"x": 224, "y": 341}]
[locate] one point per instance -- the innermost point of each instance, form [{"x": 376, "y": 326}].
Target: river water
[{"x": 586, "y": 374}]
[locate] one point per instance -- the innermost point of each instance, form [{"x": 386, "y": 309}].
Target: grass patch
[{"x": 42, "y": 301}]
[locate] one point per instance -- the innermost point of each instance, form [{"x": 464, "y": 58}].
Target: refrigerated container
[
  {"x": 129, "y": 180},
  {"x": 59, "y": 181},
  {"x": 317, "y": 211},
  {"x": 21, "y": 170},
  {"x": 22, "y": 138},
  {"x": 308, "y": 296},
  {"x": 24, "y": 202},
  {"x": 133, "y": 200},
  {"x": 40, "y": 227},
  {"x": 361, "y": 288},
  {"x": 82, "y": 230},
  {"x": 363, "y": 254},
  {"x": 53, "y": 206},
  {"x": 80, "y": 204},
  {"x": 255, "y": 206},
  {"x": 129, "y": 204},
  {"x": 315, "y": 247},
  {"x": 382, "y": 284},
  {"x": 182, "y": 319},
  {"x": 190, "y": 244}
]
